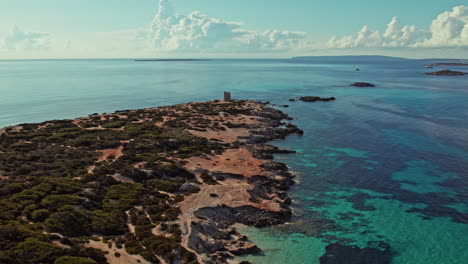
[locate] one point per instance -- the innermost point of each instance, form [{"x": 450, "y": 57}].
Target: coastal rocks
[
  {"x": 276, "y": 132},
  {"x": 218, "y": 241},
  {"x": 362, "y": 84},
  {"x": 242, "y": 248},
  {"x": 316, "y": 99},
  {"x": 247, "y": 215},
  {"x": 285, "y": 106},
  {"x": 264, "y": 135},
  {"x": 272, "y": 114},
  {"x": 189, "y": 187},
  {"x": 336, "y": 253},
  {"x": 447, "y": 73},
  {"x": 275, "y": 166},
  {"x": 266, "y": 151},
  {"x": 203, "y": 229}
]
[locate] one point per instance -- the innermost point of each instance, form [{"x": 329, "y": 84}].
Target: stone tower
[{"x": 227, "y": 97}]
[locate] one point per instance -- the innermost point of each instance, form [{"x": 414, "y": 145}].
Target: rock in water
[
  {"x": 316, "y": 99},
  {"x": 341, "y": 254},
  {"x": 363, "y": 84},
  {"x": 447, "y": 73}
]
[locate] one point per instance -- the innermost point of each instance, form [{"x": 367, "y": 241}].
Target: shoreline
[{"x": 230, "y": 178}]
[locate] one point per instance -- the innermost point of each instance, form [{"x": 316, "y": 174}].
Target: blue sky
[{"x": 241, "y": 28}]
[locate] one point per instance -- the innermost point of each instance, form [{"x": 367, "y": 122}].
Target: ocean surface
[{"x": 383, "y": 167}]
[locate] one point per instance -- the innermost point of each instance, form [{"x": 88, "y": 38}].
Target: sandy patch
[
  {"x": 106, "y": 153},
  {"x": 235, "y": 161},
  {"x": 229, "y": 136}
]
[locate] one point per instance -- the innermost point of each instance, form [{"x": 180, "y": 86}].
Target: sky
[{"x": 32, "y": 29}]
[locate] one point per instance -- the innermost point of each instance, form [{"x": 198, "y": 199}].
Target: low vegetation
[{"x": 58, "y": 191}]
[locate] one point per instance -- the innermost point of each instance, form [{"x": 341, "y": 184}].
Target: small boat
[{"x": 357, "y": 70}]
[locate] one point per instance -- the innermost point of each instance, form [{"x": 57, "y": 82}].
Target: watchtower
[{"x": 227, "y": 97}]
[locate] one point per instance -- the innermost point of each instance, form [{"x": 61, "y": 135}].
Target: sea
[{"x": 382, "y": 167}]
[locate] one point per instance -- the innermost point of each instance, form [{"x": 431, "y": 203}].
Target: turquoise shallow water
[{"x": 385, "y": 164}]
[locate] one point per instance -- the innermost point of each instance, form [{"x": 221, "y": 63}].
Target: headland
[{"x": 156, "y": 185}]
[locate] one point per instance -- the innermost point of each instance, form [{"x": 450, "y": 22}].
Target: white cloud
[
  {"x": 19, "y": 40},
  {"x": 449, "y": 29},
  {"x": 197, "y": 32}
]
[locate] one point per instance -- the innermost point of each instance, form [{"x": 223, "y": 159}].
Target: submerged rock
[
  {"x": 342, "y": 254},
  {"x": 363, "y": 84},
  {"x": 316, "y": 99}
]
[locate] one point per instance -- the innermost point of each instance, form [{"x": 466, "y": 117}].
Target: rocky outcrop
[
  {"x": 363, "y": 84},
  {"x": 447, "y": 73},
  {"x": 247, "y": 215},
  {"x": 210, "y": 233},
  {"x": 316, "y": 99},
  {"x": 266, "y": 151},
  {"x": 220, "y": 242},
  {"x": 188, "y": 187},
  {"x": 242, "y": 248}
]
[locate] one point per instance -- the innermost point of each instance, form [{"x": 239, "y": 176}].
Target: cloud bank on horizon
[
  {"x": 197, "y": 32},
  {"x": 449, "y": 29},
  {"x": 19, "y": 40}
]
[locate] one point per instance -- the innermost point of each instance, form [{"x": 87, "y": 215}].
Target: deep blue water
[{"x": 385, "y": 164}]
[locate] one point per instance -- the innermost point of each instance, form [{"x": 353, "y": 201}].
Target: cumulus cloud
[
  {"x": 449, "y": 29},
  {"x": 197, "y": 32},
  {"x": 19, "y": 40}
]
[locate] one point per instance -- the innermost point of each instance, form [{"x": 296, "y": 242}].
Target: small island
[
  {"x": 363, "y": 84},
  {"x": 157, "y": 185},
  {"x": 447, "y": 73}
]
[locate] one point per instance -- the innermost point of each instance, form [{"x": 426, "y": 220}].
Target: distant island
[
  {"x": 348, "y": 59},
  {"x": 169, "y": 60},
  {"x": 447, "y": 73},
  {"x": 156, "y": 185},
  {"x": 448, "y": 64}
]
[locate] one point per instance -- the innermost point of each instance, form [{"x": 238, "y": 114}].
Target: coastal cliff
[{"x": 157, "y": 185}]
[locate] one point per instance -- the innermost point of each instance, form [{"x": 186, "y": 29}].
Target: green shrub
[
  {"x": 33, "y": 251},
  {"x": 40, "y": 215},
  {"x": 114, "y": 124},
  {"x": 74, "y": 260},
  {"x": 70, "y": 223},
  {"x": 108, "y": 223},
  {"x": 54, "y": 202}
]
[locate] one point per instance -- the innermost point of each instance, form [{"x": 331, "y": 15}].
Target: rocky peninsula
[{"x": 156, "y": 185}]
